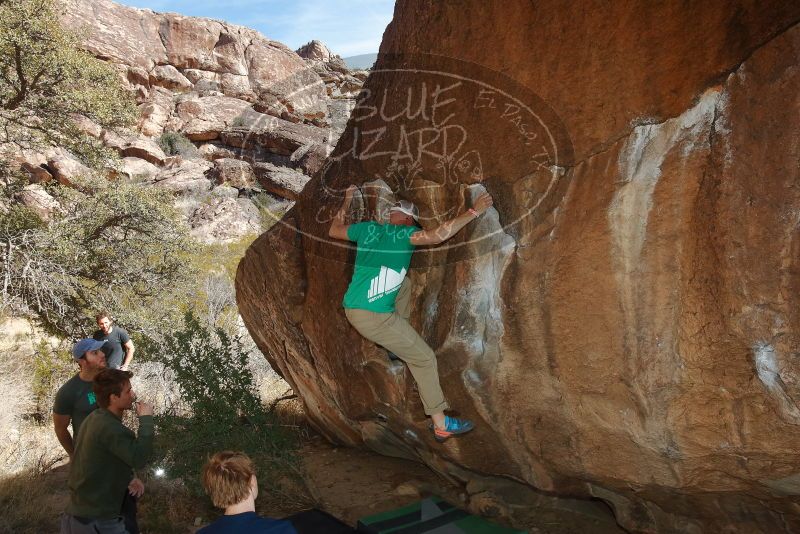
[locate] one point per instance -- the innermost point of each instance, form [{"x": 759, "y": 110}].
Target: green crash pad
[{"x": 430, "y": 516}]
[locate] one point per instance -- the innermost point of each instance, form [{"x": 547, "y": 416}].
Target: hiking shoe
[{"x": 452, "y": 427}]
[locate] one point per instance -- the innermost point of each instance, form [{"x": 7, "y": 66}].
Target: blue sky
[{"x": 348, "y": 27}]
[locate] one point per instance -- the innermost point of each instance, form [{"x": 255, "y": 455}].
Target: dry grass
[
  {"x": 32, "y": 502},
  {"x": 26, "y": 438},
  {"x": 167, "y": 508}
]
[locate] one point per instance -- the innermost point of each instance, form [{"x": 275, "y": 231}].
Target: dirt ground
[{"x": 353, "y": 483}]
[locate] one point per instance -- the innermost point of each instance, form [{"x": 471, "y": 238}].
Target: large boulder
[
  {"x": 65, "y": 167},
  {"x": 234, "y": 172},
  {"x": 138, "y": 169},
  {"x": 88, "y": 126},
  {"x": 170, "y": 78},
  {"x": 155, "y": 111},
  {"x": 324, "y": 62},
  {"x": 623, "y": 324},
  {"x": 280, "y": 181},
  {"x": 205, "y": 117},
  {"x": 185, "y": 177},
  {"x": 143, "y": 148},
  {"x": 37, "y": 199},
  {"x": 257, "y": 130},
  {"x": 34, "y": 164},
  {"x": 212, "y": 151},
  {"x": 310, "y": 158},
  {"x": 316, "y": 51},
  {"x": 223, "y": 219},
  {"x": 340, "y": 82}
]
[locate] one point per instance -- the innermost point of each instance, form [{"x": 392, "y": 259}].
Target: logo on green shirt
[{"x": 91, "y": 397}]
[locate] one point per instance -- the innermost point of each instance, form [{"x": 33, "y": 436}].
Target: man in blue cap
[{"x": 75, "y": 399}]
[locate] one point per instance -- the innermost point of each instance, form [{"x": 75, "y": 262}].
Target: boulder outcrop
[
  {"x": 224, "y": 219},
  {"x": 143, "y": 148},
  {"x": 35, "y": 197},
  {"x": 64, "y": 166},
  {"x": 178, "y": 53},
  {"x": 204, "y": 118},
  {"x": 255, "y": 130},
  {"x": 186, "y": 178},
  {"x": 280, "y": 181},
  {"x": 138, "y": 169},
  {"x": 623, "y": 325},
  {"x": 234, "y": 172},
  {"x": 155, "y": 111},
  {"x": 339, "y": 81}
]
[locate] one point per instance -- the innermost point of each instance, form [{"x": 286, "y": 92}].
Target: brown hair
[
  {"x": 226, "y": 478},
  {"x": 102, "y": 314},
  {"x": 108, "y": 382}
]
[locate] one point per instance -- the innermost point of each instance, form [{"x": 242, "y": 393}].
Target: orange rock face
[{"x": 624, "y": 324}]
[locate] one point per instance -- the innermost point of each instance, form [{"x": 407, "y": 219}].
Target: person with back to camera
[
  {"x": 376, "y": 302},
  {"x": 229, "y": 479}
]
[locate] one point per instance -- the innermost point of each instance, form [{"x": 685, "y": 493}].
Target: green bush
[
  {"x": 46, "y": 80},
  {"x": 221, "y": 409},
  {"x": 121, "y": 247},
  {"x": 177, "y": 144}
]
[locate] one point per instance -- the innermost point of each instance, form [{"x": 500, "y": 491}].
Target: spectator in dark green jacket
[{"x": 106, "y": 453}]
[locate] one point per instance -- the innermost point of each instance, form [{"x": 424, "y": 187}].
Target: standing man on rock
[
  {"x": 119, "y": 347},
  {"x": 382, "y": 259},
  {"x": 106, "y": 453},
  {"x": 75, "y": 400}
]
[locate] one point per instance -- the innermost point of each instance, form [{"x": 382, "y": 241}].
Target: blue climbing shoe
[{"x": 452, "y": 427}]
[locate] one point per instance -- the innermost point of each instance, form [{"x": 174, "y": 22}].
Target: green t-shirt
[
  {"x": 75, "y": 399},
  {"x": 384, "y": 252}
]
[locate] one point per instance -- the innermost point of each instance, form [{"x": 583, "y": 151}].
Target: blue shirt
[{"x": 248, "y": 523}]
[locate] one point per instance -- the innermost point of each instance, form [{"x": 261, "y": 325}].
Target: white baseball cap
[{"x": 407, "y": 207}]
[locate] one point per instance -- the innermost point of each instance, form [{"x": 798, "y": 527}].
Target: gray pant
[
  {"x": 73, "y": 525},
  {"x": 394, "y": 333}
]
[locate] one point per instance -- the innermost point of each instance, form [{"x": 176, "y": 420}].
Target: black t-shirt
[
  {"x": 113, "y": 348},
  {"x": 75, "y": 399}
]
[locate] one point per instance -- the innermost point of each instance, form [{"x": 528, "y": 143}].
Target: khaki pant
[{"x": 394, "y": 333}]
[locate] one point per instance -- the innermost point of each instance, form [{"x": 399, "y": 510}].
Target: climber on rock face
[{"x": 376, "y": 302}]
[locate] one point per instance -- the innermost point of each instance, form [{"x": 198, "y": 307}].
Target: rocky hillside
[
  {"x": 260, "y": 118},
  {"x": 624, "y": 325}
]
